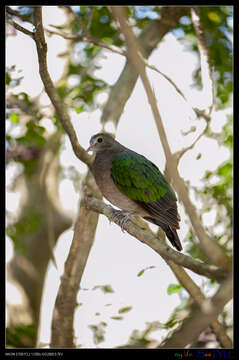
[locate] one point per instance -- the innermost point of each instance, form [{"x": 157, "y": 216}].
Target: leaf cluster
[
  {"x": 216, "y": 22},
  {"x": 21, "y": 336}
]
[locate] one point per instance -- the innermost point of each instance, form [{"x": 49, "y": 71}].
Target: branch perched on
[{"x": 161, "y": 248}]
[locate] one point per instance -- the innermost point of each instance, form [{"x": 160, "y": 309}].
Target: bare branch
[
  {"x": 133, "y": 51},
  {"x": 88, "y": 38},
  {"x": 181, "y": 152},
  {"x": 21, "y": 28},
  {"x": 160, "y": 247},
  {"x": 148, "y": 40},
  {"x": 18, "y": 15},
  {"x": 59, "y": 106},
  {"x": 84, "y": 232},
  {"x": 210, "y": 247},
  {"x": 201, "y": 318},
  {"x": 206, "y": 72}
]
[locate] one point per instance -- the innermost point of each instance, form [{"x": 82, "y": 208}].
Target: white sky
[{"x": 116, "y": 257}]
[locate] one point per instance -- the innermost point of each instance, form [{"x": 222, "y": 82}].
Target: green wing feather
[{"x": 140, "y": 179}]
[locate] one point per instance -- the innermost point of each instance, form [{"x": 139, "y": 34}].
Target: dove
[{"x": 135, "y": 185}]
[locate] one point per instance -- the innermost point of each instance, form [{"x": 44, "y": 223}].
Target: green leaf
[
  {"x": 213, "y": 16},
  {"x": 14, "y": 118},
  {"x": 104, "y": 288},
  {"x": 117, "y": 317},
  {"x": 199, "y": 156},
  {"x": 107, "y": 289},
  {"x": 78, "y": 110},
  {"x": 62, "y": 90},
  {"x": 8, "y": 137},
  {"x": 225, "y": 170},
  {"x": 33, "y": 135},
  {"x": 174, "y": 288},
  {"x": 8, "y": 78},
  {"x": 125, "y": 309},
  {"x": 98, "y": 332},
  {"x": 141, "y": 272},
  {"x": 28, "y": 225}
]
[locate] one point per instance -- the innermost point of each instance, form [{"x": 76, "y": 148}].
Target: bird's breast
[{"x": 104, "y": 180}]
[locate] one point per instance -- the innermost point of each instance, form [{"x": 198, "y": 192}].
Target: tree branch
[
  {"x": 88, "y": 38},
  {"x": 210, "y": 248},
  {"x": 181, "y": 152},
  {"x": 204, "y": 316},
  {"x": 84, "y": 232},
  {"x": 115, "y": 49},
  {"x": 206, "y": 72},
  {"x": 60, "y": 108},
  {"x": 148, "y": 40},
  {"x": 18, "y": 15},
  {"x": 21, "y": 28},
  {"x": 199, "y": 298},
  {"x": 160, "y": 247}
]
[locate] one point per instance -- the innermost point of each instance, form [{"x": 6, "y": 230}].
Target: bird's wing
[{"x": 142, "y": 181}]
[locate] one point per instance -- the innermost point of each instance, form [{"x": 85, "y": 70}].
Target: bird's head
[{"x": 100, "y": 142}]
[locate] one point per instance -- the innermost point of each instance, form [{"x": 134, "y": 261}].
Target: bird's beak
[{"x": 89, "y": 149}]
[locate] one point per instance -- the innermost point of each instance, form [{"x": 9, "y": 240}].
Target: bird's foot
[{"x": 124, "y": 215}]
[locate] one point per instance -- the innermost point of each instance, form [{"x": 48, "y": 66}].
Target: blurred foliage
[
  {"x": 178, "y": 315},
  {"x": 21, "y": 336},
  {"x": 142, "y": 338},
  {"x": 217, "y": 194},
  {"x": 78, "y": 88},
  {"x": 98, "y": 332},
  {"x": 217, "y": 25},
  {"x": 105, "y": 288},
  {"x": 27, "y": 226}
]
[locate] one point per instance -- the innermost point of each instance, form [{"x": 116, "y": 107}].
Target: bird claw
[{"x": 125, "y": 216}]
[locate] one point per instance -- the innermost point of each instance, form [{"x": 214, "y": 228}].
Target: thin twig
[
  {"x": 21, "y": 28},
  {"x": 206, "y": 71},
  {"x": 59, "y": 106},
  {"x": 181, "y": 152},
  {"x": 90, "y": 39},
  {"x": 18, "y": 15}
]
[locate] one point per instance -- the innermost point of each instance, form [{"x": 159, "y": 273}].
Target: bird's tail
[{"x": 170, "y": 232}]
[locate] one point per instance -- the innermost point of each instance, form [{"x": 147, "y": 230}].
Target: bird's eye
[{"x": 99, "y": 140}]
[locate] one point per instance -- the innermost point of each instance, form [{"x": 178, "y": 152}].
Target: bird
[{"x": 135, "y": 185}]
